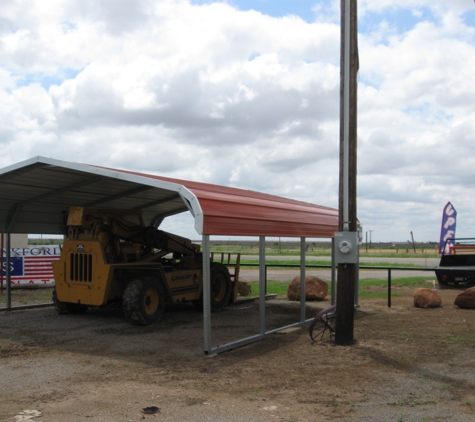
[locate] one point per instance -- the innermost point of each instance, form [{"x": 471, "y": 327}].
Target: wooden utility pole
[{"x": 347, "y": 272}]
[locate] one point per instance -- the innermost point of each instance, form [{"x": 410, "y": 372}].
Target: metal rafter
[
  {"x": 16, "y": 208},
  {"x": 111, "y": 198}
]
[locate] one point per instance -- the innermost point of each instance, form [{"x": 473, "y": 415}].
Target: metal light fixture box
[{"x": 345, "y": 248}]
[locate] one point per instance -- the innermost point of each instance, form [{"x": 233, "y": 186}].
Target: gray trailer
[{"x": 457, "y": 264}]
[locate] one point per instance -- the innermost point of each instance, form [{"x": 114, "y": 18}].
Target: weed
[
  {"x": 400, "y": 418},
  {"x": 253, "y": 396},
  {"x": 469, "y": 403},
  {"x": 461, "y": 338},
  {"x": 404, "y": 335},
  {"x": 411, "y": 402}
]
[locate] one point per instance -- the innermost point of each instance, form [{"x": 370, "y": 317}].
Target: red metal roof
[
  {"x": 240, "y": 212},
  {"x": 35, "y": 193}
]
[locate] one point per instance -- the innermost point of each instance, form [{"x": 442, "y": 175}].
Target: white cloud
[
  {"x": 440, "y": 6},
  {"x": 218, "y": 95}
]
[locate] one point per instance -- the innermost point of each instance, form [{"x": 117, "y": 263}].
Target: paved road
[
  {"x": 422, "y": 261},
  {"x": 288, "y": 274}
]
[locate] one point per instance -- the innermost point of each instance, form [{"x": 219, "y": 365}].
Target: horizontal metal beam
[
  {"x": 252, "y": 339},
  {"x": 22, "y": 307}
]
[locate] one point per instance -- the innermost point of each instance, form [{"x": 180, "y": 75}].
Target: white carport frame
[
  {"x": 208, "y": 349},
  {"x": 35, "y": 206}
]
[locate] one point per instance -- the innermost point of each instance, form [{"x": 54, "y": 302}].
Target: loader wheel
[
  {"x": 65, "y": 308},
  {"x": 143, "y": 302},
  {"x": 220, "y": 281}
]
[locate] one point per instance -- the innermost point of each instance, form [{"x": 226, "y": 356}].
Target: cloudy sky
[{"x": 245, "y": 93}]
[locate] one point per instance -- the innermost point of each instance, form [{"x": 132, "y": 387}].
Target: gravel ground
[{"x": 407, "y": 364}]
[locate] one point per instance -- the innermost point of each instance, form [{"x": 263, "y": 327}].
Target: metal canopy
[
  {"x": 239, "y": 212},
  {"x": 34, "y": 194}
]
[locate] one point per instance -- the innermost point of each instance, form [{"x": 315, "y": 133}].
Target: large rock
[
  {"x": 315, "y": 289},
  {"x": 466, "y": 299},
  {"x": 427, "y": 298},
  {"x": 243, "y": 287}
]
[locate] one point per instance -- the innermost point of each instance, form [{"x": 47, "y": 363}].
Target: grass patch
[
  {"x": 281, "y": 262},
  {"x": 273, "y": 287},
  {"x": 464, "y": 338},
  {"x": 372, "y": 295},
  {"x": 413, "y": 401},
  {"x": 395, "y": 282},
  {"x": 280, "y": 287}
]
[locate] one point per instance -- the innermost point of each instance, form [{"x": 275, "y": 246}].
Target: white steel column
[
  {"x": 8, "y": 270},
  {"x": 262, "y": 285},
  {"x": 333, "y": 301},
  {"x": 302, "y": 278},
  {"x": 206, "y": 295}
]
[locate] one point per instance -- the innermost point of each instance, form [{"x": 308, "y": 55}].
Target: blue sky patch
[
  {"x": 469, "y": 17},
  {"x": 253, "y": 56},
  {"x": 68, "y": 26},
  {"x": 47, "y": 80},
  {"x": 275, "y": 8},
  {"x": 429, "y": 112},
  {"x": 401, "y": 20}
]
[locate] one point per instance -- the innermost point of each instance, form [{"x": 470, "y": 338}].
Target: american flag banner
[{"x": 26, "y": 268}]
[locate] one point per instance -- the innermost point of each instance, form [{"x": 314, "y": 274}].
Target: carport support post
[
  {"x": 302, "y": 279},
  {"x": 8, "y": 271},
  {"x": 206, "y": 295},
  {"x": 262, "y": 285},
  {"x": 333, "y": 273}
]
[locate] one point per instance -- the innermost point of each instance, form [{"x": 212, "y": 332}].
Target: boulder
[
  {"x": 466, "y": 299},
  {"x": 243, "y": 287},
  {"x": 315, "y": 289},
  {"x": 427, "y": 298}
]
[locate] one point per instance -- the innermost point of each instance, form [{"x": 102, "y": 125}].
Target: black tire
[
  {"x": 221, "y": 288},
  {"x": 66, "y": 308},
  {"x": 143, "y": 302}
]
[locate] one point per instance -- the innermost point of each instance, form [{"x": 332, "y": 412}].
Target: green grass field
[
  {"x": 369, "y": 288},
  {"x": 366, "y": 286}
]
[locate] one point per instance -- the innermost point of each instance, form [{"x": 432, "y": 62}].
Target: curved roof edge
[
  {"x": 241, "y": 212},
  {"x": 34, "y": 194}
]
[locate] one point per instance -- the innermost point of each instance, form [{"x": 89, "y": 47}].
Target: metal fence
[{"x": 389, "y": 270}]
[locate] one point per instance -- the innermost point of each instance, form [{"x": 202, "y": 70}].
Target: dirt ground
[{"x": 407, "y": 364}]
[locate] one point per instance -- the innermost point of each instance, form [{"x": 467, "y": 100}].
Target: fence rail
[
  {"x": 389, "y": 269},
  {"x": 361, "y": 267}
]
